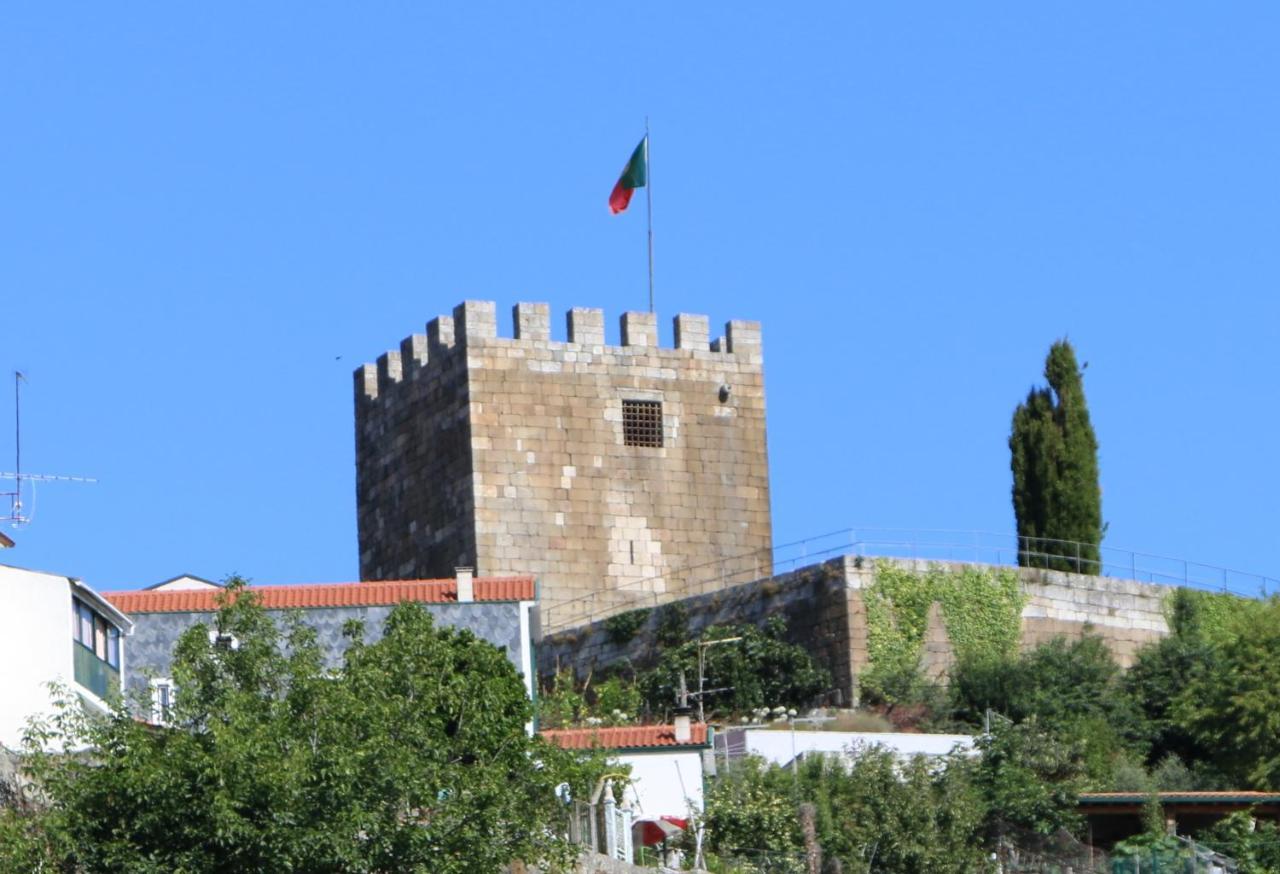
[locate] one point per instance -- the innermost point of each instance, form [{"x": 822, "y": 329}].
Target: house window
[
  {"x": 642, "y": 423},
  {"x": 95, "y": 633},
  {"x": 162, "y": 698},
  {"x": 96, "y": 649}
]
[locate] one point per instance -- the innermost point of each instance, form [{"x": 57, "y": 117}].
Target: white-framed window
[{"x": 163, "y": 695}]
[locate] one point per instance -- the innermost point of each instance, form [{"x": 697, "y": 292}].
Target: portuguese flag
[{"x": 634, "y": 175}]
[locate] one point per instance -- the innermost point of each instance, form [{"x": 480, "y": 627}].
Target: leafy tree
[
  {"x": 27, "y": 843},
  {"x": 1074, "y": 689},
  {"x": 760, "y": 670},
  {"x": 1056, "y": 496},
  {"x": 412, "y": 757},
  {"x": 874, "y": 812},
  {"x": 1231, "y": 706},
  {"x": 1029, "y": 778},
  {"x": 1255, "y": 846},
  {"x": 884, "y": 815},
  {"x": 560, "y": 703},
  {"x": 1160, "y": 672},
  {"x": 752, "y": 808}
]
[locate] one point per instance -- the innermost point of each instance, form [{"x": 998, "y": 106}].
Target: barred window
[{"x": 642, "y": 423}]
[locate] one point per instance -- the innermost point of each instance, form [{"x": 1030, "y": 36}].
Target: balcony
[{"x": 93, "y": 673}]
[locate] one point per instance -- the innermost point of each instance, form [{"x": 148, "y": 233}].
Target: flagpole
[{"x": 648, "y": 199}]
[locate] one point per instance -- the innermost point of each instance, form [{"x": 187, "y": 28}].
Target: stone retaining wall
[{"x": 825, "y": 613}]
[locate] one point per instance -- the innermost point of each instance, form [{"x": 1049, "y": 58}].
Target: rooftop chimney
[
  {"x": 684, "y": 725},
  {"x": 466, "y": 585}
]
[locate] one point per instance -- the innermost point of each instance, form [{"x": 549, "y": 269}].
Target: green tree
[
  {"x": 412, "y": 757},
  {"x": 1160, "y": 672},
  {"x": 874, "y": 812},
  {"x": 1029, "y": 778},
  {"x": 881, "y": 814},
  {"x": 760, "y": 670},
  {"x": 1254, "y": 845},
  {"x": 1231, "y": 706},
  {"x": 1073, "y": 689},
  {"x": 1056, "y": 497}
]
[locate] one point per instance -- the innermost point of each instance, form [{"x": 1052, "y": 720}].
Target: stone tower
[{"x": 613, "y": 473}]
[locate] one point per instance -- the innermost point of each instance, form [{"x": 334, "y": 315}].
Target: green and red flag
[{"x": 634, "y": 175}]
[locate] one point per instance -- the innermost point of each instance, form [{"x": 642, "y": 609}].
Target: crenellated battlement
[
  {"x": 475, "y": 323},
  {"x": 600, "y": 467}
]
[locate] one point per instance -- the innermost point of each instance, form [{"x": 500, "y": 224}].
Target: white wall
[
  {"x": 781, "y": 746},
  {"x": 182, "y": 584},
  {"x": 664, "y": 782},
  {"x": 35, "y": 645}
]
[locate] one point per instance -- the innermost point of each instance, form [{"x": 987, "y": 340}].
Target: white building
[
  {"x": 781, "y": 746},
  {"x": 54, "y": 629},
  {"x": 666, "y": 773}
]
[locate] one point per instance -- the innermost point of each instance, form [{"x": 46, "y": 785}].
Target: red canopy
[{"x": 651, "y": 832}]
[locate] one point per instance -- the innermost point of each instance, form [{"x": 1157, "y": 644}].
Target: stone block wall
[
  {"x": 819, "y": 607},
  {"x": 508, "y": 454},
  {"x": 825, "y": 612},
  {"x": 1126, "y": 614}
]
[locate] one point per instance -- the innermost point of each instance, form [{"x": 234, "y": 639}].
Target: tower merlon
[
  {"x": 586, "y": 326},
  {"x": 531, "y": 321},
  {"x": 692, "y": 332},
  {"x": 743, "y": 339},
  {"x": 639, "y": 329},
  {"x": 475, "y": 319},
  {"x": 389, "y": 371},
  {"x": 440, "y": 336},
  {"x": 366, "y": 377},
  {"x": 413, "y": 352}
]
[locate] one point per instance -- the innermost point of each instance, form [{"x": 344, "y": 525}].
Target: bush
[
  {"x": 1074, "y": 689},
  {"x": 760, "y": 670},
  {"x": 872, "y": 812},
  {"x": 621, "y": 628}
]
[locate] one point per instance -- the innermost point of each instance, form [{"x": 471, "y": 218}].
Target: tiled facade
[{"x": 157, "y": 628}]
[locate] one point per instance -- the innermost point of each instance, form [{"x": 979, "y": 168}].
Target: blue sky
[{"x": 210, "y": 216}]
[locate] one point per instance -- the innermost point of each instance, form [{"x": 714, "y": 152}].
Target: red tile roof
[
  {"x": 326, "y": 595},
  {"x": 623, "y": 737}
]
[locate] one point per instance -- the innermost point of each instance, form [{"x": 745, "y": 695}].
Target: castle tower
[{"x": 610, "y": 472}]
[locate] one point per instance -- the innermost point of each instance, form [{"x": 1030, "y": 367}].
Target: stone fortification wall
[
  {"x": 415, "y": 503},
  {"x": 826, "y": 613},
  {"x": 817, "y": 602},
  {"x": 512, "y": 455}
]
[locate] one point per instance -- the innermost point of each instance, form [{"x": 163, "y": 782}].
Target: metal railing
[{"x": 928, "y": 544}]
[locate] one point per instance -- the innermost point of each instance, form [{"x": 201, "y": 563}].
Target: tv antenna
[{"x": 19, "y": 513}]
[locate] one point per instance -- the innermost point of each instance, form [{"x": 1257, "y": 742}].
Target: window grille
[{"x": 642, "y": 423}]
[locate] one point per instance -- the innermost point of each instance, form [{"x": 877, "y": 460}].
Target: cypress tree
[{"x": 1056, "y": 497}]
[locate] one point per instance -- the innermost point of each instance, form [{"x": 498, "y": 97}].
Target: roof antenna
[{"x": 18, "y": 513}]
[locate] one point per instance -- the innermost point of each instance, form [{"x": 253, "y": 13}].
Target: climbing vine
[{"x": 981, "y": 609}]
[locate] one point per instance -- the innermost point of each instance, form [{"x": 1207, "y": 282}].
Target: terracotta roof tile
[
  {"x": 326, "y": 595},
  {"x": 623, "y": 737}
]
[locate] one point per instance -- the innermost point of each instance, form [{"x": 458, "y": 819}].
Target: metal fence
[
  {"x": 603, "y": 827},
  {"x": 929, "y": 544}
]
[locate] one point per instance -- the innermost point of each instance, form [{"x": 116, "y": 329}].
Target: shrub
[{"x": 621, "y": 628}]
